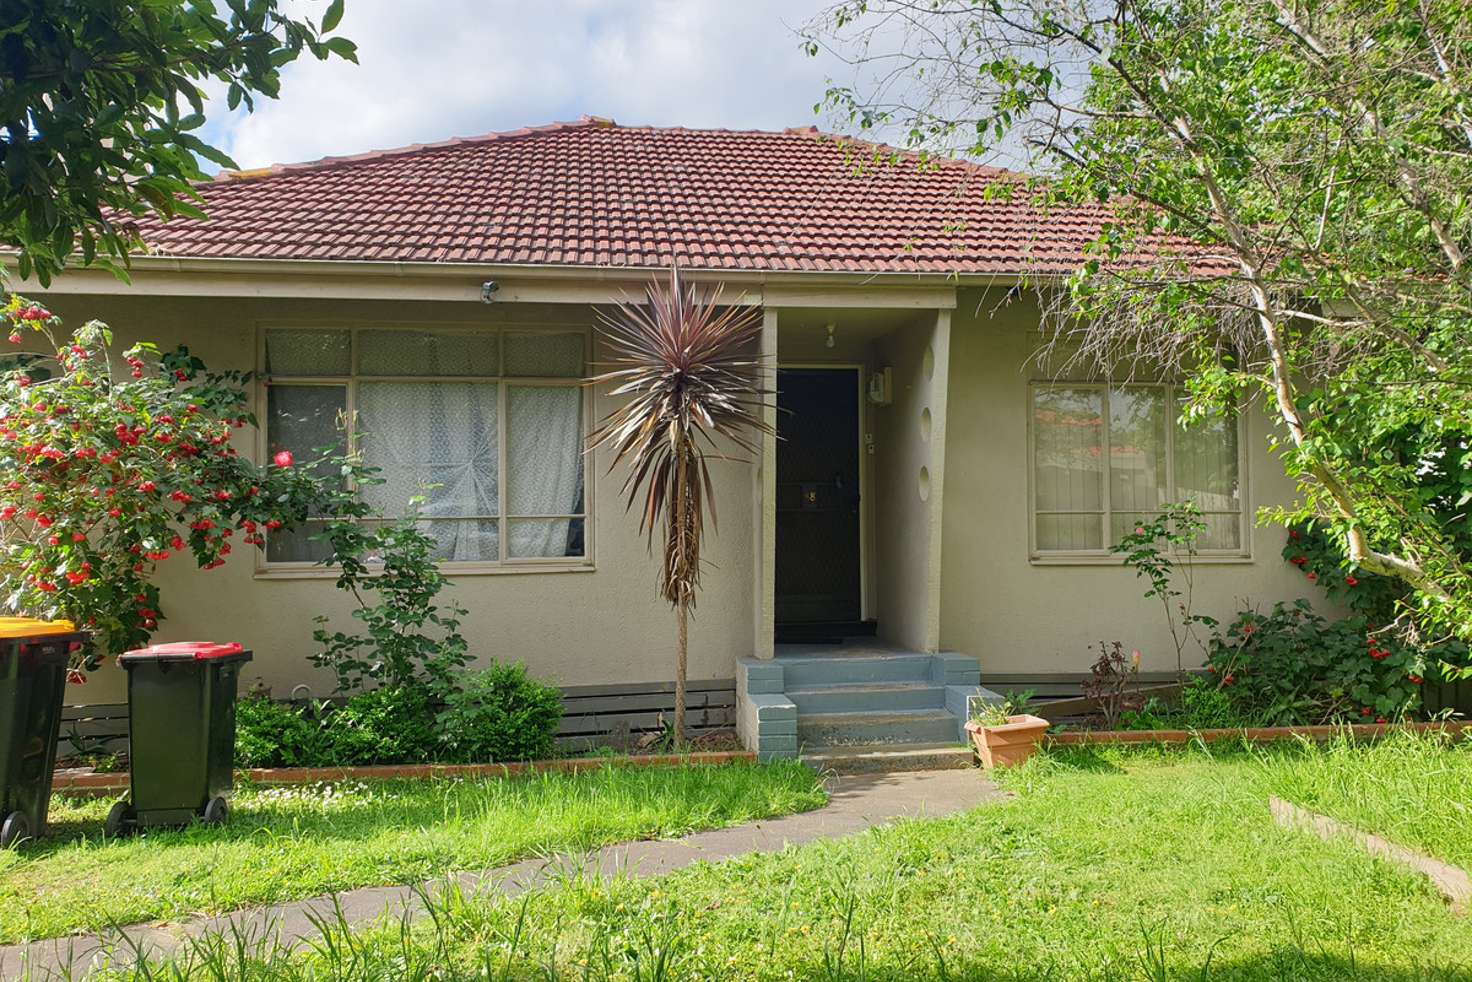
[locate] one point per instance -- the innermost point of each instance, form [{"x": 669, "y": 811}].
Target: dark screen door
[{"x": 817, "y": 495}]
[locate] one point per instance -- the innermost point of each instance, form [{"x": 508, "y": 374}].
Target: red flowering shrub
[
  {"x": 1322, "y": 563},
  {"x": 112, "y": 469},
  {"x": 1292, "y": 666}
]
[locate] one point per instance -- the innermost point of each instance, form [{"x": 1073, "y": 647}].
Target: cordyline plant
[
  {"x": 111, "y": 471},
  {"x": 693, "y": 383}
]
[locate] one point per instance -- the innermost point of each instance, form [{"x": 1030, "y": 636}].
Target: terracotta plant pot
[{"x": 1009, "y": 744}]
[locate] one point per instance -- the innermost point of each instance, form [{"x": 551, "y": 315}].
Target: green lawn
[
  {"x": 1109, "y": 864},
  {"x": 1415, "y": 791},
  {"x": 294, "y": 842}
]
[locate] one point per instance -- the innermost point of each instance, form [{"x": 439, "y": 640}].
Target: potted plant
[{"x": 1005, "y": 735}]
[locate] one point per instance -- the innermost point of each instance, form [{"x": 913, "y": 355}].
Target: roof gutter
[
  {"x": 505, "y": 283},
  {"x": 540, "y": 271}
]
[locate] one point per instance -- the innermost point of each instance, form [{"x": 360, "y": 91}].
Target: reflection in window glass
[{"x": 1152, "y": 460}]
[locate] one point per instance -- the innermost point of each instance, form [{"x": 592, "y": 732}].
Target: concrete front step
[
  {"x": 867, "y": 697},
  {"x": 906, "y": 726},
  {"x": 881, "y": 758},
  {"x": 805, "y": 672}
]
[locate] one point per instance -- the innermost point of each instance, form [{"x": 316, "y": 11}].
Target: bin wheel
[
  {"x": 119, "y": 820},
  {"x": 217, "y": 812},
  {"x": 15, "y": 828}
]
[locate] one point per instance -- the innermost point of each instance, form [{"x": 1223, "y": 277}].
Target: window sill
[
  {"x": 1086, "y": 559},
  {"x": 451, "y": 572}
]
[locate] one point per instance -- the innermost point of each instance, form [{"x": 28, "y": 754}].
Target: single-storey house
[{"x": 933, "y": 498}]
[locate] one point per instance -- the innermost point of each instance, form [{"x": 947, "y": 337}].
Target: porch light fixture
[{"x": 831, "y": 341}]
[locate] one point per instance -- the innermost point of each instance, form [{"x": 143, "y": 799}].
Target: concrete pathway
[{"x": 856, "y": 802}]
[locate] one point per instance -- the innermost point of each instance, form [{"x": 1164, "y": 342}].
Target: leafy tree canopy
[
  {"x": 1292, "y": 215},
  {"x": 101, "y": 102}
]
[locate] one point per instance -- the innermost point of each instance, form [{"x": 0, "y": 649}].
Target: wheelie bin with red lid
[
  {"x": 181, "y": 733},
  {"x": 33, "y": 672}
]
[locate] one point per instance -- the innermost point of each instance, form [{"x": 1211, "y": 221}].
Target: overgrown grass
[
  {"x": 294, "y": 842},
  {"x": 1108, "y": 865},
  {"x": 1413, "y": 789}
]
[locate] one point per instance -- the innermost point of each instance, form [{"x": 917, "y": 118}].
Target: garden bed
[
  {"x": 1252, "y": 734},
  {"x": 78, "y": 781}
]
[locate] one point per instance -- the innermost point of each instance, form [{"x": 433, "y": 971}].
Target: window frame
[
  {"x": 1103, "y": 555},
  {"x": 504, "y": 564}
]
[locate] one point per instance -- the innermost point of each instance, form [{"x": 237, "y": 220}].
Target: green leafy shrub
[
  {"x": 1206, "y": 705},
  {"x": 1293, "y": 666},
  {"x": 407, "y": 639},
  {"x": 388, "y": 725},
  {"x": 1203, "y": 705},
  {"x": 279, "y": 734},
  {"x": 1321, "y": 560},
  {"x": 500, "y": 714}
]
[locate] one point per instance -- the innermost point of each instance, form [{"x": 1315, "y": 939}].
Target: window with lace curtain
[
  {"x": 487, "y": 425},
  {"x": 1106, "y": 457}
]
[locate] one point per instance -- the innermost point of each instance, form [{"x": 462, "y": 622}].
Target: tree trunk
[{"x": 682, "y": 646}]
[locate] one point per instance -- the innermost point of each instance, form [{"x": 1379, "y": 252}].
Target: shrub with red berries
[
  {"x": 1378, "y": 604},
  {"x": 1322, "y": 562},
  {"x": 1292, "y": 666},
  {"x": 109, "y": 473}
]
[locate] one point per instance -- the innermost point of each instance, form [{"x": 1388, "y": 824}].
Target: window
[
  {"x": 1085, "y": 499},
  {"x": 486, "y": 425}
]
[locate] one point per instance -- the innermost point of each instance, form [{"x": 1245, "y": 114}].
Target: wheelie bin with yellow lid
[{"x": 33, "y": 672}]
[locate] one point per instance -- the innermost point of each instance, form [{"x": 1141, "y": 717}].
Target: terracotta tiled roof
[{"x": 593, "y": 193}]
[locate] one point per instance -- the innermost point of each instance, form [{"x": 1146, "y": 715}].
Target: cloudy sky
[{"x": 432, "y": 69}]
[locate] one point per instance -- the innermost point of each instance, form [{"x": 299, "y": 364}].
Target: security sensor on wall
[
  {"x": 831, "y": 341},
  {"x": 881, "y": 387},
  {"x": 488, "y": 291}
]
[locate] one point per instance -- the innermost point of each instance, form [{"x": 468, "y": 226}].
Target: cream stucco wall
[
  {"x": 604, "y": 625},
  {"x": 980, "y": 594},
  {"x": 1023, "y": 617},
  {"x": 909, "y": 482}
]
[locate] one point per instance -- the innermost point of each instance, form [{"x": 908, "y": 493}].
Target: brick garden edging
[
  {"x": 1259, "y": 734},
  {"x": 99, "y": 783}
]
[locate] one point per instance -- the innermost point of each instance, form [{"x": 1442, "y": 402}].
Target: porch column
[
  {"x": 939, "y": 379},
  {"x": 909, "y": 481},
  {"x": 764, "y": 497}
]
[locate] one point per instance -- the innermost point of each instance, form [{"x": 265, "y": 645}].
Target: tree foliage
[
  {"x": 1290, "y": 193},
  {"x": 101, "y": 104}
]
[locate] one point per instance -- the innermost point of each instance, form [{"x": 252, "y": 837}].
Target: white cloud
[{"x": 432, "y": 69}]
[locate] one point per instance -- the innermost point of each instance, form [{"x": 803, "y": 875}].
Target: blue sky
[{"x": 432, "y": 69}]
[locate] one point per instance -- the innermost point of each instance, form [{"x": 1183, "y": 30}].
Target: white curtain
[
  {"x": 1068, "y": 457},
  {"x": 437, "y": 439},
  {"x": 544, "y": 459}
]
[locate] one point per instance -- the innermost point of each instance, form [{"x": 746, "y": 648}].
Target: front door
[{"x": 818, "y": 576}]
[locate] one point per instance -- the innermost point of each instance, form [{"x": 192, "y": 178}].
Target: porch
[
  {"x": 847, "y": 553},
  {"x": 855, "y": 698}
]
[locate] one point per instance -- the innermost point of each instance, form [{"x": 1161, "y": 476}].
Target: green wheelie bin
[
  {"x": 33, "y": 671},
  {"x": 181, "y": 733}
]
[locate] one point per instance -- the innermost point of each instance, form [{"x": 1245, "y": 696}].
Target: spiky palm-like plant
[{"x": 691, "y": 373}]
